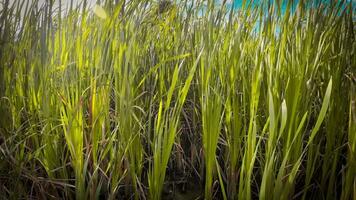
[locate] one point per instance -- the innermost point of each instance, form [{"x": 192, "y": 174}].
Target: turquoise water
[
  {"x": 311, "y": 3},
  {"x": 238, "y": 3}
]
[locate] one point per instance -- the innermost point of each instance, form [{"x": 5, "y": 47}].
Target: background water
[{"x": 238, "y": 3}]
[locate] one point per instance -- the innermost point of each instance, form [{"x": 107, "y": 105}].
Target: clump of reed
[{"x": 131, "y": 99}]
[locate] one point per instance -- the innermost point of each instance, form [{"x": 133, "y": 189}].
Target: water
[{"x": 238, "y": 3}]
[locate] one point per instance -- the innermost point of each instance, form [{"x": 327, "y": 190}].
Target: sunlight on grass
[{"x": 177, "y": 99}]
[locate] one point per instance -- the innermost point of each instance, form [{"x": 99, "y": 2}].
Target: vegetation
[{"x": 177, "y": 100}]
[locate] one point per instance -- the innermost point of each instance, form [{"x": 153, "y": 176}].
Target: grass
[{"x": 177, "y": 100}]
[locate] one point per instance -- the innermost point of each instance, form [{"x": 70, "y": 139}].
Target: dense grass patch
[{"x": 146, "y": 99}]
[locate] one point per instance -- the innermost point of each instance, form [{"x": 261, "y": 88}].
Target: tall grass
[{"x": 177, "y": 100}]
